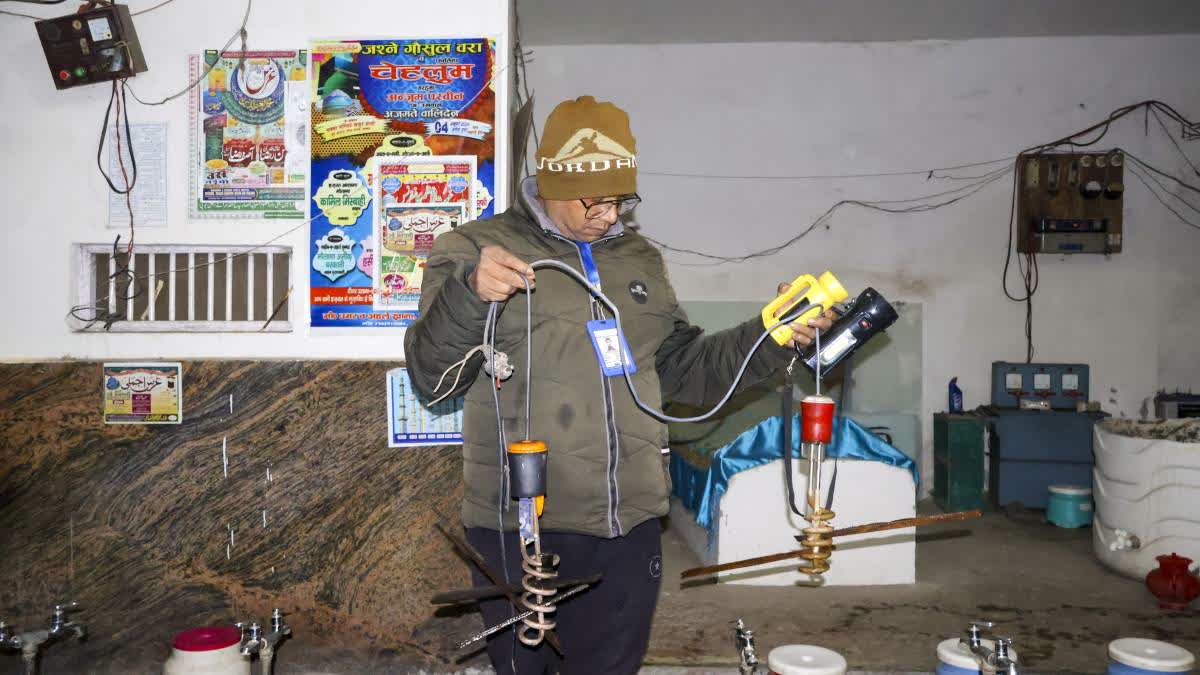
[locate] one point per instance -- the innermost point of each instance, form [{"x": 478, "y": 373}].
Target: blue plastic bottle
[{"x": 956, "y": 396}]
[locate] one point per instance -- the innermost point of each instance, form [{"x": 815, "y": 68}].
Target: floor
[{"x": 1041, "y": 584}]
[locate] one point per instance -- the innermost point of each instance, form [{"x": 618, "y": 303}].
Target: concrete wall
[
  {"x": 54, "y": 196},
  {"x": 792, "y": 108}
]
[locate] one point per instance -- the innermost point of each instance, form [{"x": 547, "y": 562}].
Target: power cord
[{"x": 240, "y": 32}]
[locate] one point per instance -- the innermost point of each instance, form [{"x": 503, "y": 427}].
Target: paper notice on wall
[
  {"x": 417, "y": 199},
  {"x": 411, "y": 423},
  {"x": 422, "y": 110},
  {"x": 249, "y": 134},
  {"x": 143, "y": 393},
  {"x": 149, "y": 196}
]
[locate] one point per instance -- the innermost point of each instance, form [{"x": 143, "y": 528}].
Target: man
[{"x": 607, "y": 485}]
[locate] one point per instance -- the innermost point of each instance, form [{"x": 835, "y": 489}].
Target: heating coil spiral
[
  {"x": 817, "y": 544},
  {"x": 539, "y": 568}
]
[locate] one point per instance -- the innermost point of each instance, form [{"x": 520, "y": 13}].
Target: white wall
[
  {"x": 790, "y": 108},
  {"x": 54, "y": 196}
]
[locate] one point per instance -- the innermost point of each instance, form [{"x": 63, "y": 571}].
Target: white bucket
[
  {"x": 805, "y": 660},
  {"x": 211, "y": 650}
]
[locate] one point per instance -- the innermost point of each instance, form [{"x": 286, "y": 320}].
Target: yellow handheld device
[{"x": 804, "y": 291}]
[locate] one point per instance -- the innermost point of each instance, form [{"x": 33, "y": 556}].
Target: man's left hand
[{"x": 802, "y": 335}]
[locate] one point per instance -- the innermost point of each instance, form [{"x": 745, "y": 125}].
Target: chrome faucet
[
  {"x": 998, "y": 662},
  {"x": 254, "y": 642},
  {"x": 747, "y": 655},
  {"x": 30, "y": 643}
]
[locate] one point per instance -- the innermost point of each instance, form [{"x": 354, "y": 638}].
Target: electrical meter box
[
  {"x": 98, "y": 45},
  {"x": 1060, "y": 385},
  {"x": 1070, "y": 202}
]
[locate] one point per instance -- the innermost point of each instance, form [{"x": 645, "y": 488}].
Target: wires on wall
[
  {"x": 239, "y": 33},
  {"x": 91, "y": 313}
]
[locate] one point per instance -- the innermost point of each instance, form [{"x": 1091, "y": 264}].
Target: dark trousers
[{"x": 605, "y": 629}]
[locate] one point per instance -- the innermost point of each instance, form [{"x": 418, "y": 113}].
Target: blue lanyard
[{"x": 589, "y": 263}]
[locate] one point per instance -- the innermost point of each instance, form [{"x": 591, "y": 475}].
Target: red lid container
[{"x": 207, "y": 638}]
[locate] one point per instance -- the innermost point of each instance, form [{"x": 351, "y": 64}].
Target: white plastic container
[
  {"x": 211, "y": 650},
  {"x": 805, "y": 660},
  {"x": 1147, "y": 494},
  {"x": 1141, "y": 656}
]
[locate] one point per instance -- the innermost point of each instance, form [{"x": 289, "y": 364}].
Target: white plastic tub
[
  {"x": 1146, "y": 484},
  {"x": 754, "y": 520}
]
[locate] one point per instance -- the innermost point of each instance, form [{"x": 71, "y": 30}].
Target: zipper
[{"x": 612, "y": 437}]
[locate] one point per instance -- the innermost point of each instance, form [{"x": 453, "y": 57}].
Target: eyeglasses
[{"x": 595, "y": 208}]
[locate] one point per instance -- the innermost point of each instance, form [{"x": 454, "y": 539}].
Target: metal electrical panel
[
  {"x": 97, "y": 45},
  {"x": 1060, "y": 385},
  {"x": 1070, "y": 202}
]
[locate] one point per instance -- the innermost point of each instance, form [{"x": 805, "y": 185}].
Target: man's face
[{"x": 585, "y": 219}]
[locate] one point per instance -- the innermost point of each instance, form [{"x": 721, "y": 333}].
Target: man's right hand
[{"x": 499, "y": 274}]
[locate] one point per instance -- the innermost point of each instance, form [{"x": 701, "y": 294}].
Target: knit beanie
[{"x": 587, "y": 150}]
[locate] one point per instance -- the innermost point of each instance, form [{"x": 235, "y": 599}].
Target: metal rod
[
  {"x": 919, "y": 521},
  {"x": 467, "y": 551},
  {"x": 508, "y": 622}
]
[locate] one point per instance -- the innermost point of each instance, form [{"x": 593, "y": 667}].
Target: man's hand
[
  {"x": 498, "y": 274},
  {"x": 802, "y": 335}
]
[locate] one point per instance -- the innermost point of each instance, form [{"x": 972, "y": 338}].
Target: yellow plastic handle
[{"x": 824, "y": 292}]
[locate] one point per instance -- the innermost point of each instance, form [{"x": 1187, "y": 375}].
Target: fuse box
[
  {"x": 96, "y": 45},
  {"x": 1070, "y": 202}
]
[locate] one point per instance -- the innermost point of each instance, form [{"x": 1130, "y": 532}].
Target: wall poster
[
  {"x": 412, "y": 423},
  {"x": 249, "y": 135},
  {"x": 403, "y": 150},
  {"x": 143, "y": 393}
]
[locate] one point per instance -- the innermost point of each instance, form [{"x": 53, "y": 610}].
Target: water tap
[
  {"x": 30, "y": 643},
  {"x": 252, "y": 641},
  {"x": 255, "y": 642},
  {"x": 279, "y": 629},
  {"x": 998, "y": 662},
  {"x": 747, "y": 655},
  {"x": 1124, "y": 541}
]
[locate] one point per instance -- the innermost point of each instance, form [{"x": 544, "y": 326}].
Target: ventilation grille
[{"x": 171, "y": 287}]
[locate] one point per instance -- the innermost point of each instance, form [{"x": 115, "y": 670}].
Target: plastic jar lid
[
  {"x": 207, "y": 638},
  {"x": 1070, "y": 490},
  {"x": 1152, "y": 655},
  {"x": 953, "y": 653},
  {"x": 805, "y": 660}
]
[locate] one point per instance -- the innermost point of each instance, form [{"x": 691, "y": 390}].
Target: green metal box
[{"x": 958, "y": 456}]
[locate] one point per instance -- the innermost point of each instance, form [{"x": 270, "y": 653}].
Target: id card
[{"x": 610, "y": 344}]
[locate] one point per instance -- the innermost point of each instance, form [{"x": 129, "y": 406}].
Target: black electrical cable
[
  {"x": 99, "y": 309},
  {"x": 100, "y": 312},
  {"x": 960, "y": 193},
  {"x": 1150, "y": 167},
  {"x": 789, "y": 402},
  {"x": 1178, "y": 148},
  {"x": 1140, "y": 169},
  {"x": 38, "y": 2},
  {"x": 1143, "y": 178},
  {"x": 115, "y": 100}
]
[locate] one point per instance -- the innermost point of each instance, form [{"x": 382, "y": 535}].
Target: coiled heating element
[
  {"x": 527, "y": 471},
  {"x": 816, "y": 432}
]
